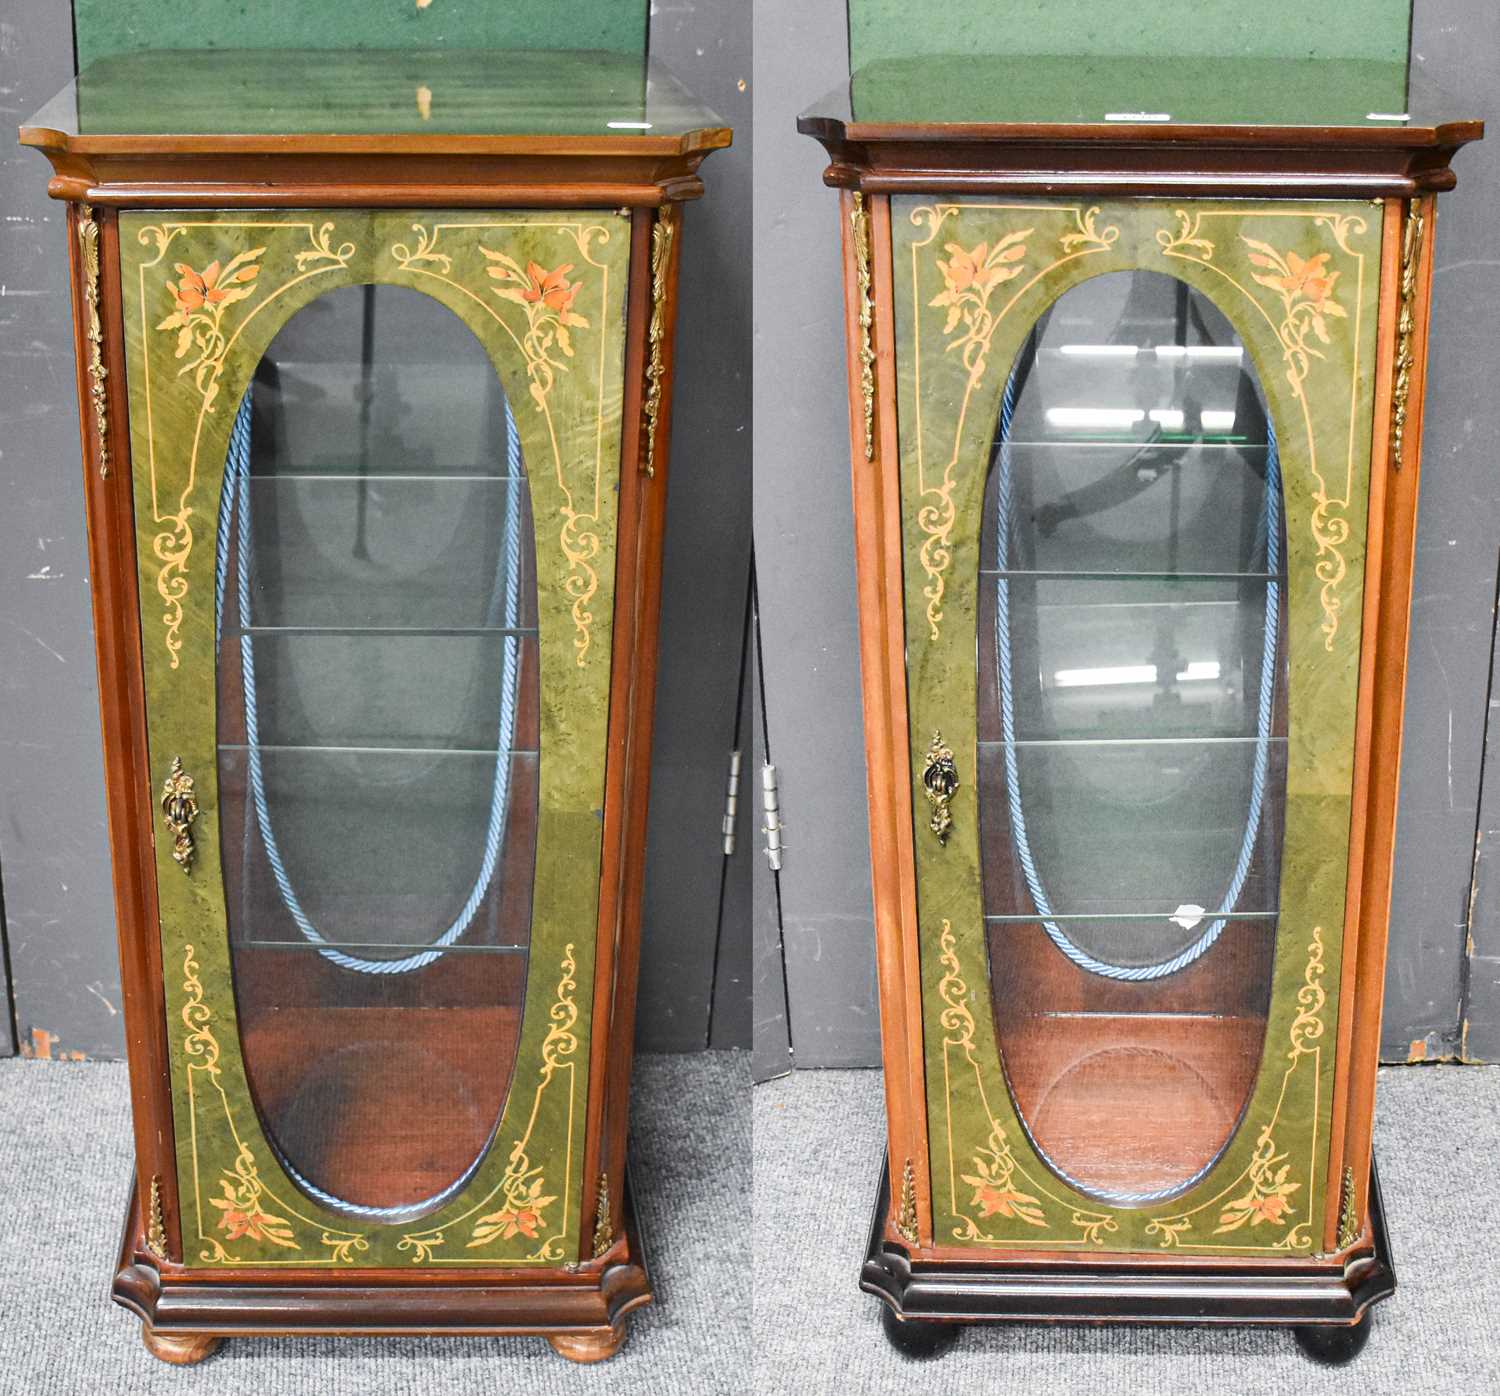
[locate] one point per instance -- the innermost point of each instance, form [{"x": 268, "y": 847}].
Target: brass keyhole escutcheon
[
  {"x": 179, "y": 807},
  {"x": 940, "y": 781}
]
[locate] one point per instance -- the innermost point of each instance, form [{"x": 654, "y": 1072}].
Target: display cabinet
[
  {"x": 375, "y": 356},
  {"x": 1135, "y": 378}
]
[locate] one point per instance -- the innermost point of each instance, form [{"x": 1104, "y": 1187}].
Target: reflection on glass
[
  {"x": 378, "y": 746},
  {"x": 1132, "y": 732}
]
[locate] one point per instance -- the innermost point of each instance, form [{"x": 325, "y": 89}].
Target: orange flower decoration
[
  {"x": 969, "y": 275},
  {"x": 238, "y": 1218},
  {"x": 552, "y": 289},
  {"x": 1273, "y": 1209},
  {"x": 199, "y": 298},
  {"x": 994, "y": 1198},
  {"x": 1310, "y": 279},
  {"x": 522, "y": 1218}
]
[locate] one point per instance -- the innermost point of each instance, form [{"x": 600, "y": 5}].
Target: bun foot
[
  {"x": 180, "y": 1349},
  {"x": 915, "y": 1338},
  {"x": 1333, "y": 1344},
  {"x": 594, "y": 1345}
]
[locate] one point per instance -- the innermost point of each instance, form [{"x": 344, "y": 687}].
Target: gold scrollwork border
[
  {"x": 578, "y": 537},
  {"x": 245, "y": 1200},
  {"x": 1003, "y": 1186},
  {"x": 521, "y": 1189},
  {"x": 1306, "y": 303},
  {"x": 970, "y": 315},
  {"x": 212, "y": 338}
]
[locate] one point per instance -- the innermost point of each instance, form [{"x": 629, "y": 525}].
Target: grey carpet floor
[
  {"x": 64, "y": 1169},
  {"x": 818, "y": 1141}
]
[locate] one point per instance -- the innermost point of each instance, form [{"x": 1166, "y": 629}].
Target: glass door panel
[
  {"x": 1132, "y": 733},
  {"x": 378, "y": 734}
]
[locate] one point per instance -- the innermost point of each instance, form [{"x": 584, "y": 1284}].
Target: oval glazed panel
[
  {"x": 1132, "y": 716},
  {"x": 377, "y": 746}
]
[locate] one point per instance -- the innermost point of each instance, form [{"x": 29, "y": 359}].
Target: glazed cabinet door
[
  {"x": 376, "y": 459},
  {"x": 1135, "y": 446}
]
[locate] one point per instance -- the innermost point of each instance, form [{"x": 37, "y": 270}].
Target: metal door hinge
[
  {"x": 731, "y": 803},
  {"x": 770, "y": 798}
]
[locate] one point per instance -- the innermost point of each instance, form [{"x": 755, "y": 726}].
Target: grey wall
[
  {"x": 803, "y": 535},
  {"x": 1449, "y": 689},
  {"x": 54, "y": 864},
  {"x": 706, "y": 569},
  {"x": 804, "y": 546}
]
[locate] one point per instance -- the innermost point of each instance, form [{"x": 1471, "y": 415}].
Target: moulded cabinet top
[
  {"x": 1356, "y": 127},
  {"x": 331, "y": 100}
]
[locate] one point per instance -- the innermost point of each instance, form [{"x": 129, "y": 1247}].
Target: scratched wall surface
[
  {"x": 1453, "y": 612},
  {"x": 118, "y": 26},
  {"x": 706, "y": 562},
  {"x": 54, "y": 862},
  {"x": 804, "y": 549}
]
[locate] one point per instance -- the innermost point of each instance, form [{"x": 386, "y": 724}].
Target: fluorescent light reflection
[
  {"x": 628, "y": 125},
  {"x": 1169, "y": 417},
  {"x": 1227, "y": 352},
  {"x": 1217, "y": 421},
  {"x": 1110, "y": 676},
  {"x": 1100, "y": 351},
  {"x": 1094, "y": 416}
]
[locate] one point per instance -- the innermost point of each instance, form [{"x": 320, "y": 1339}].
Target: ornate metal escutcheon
[
  {"x": 179, "y": 806},
  {"x": 940, "y": 781}
]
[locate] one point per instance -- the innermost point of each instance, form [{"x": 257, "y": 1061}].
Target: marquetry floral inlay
[
  {"x": 547, "y": 297},
  {"x": 240, "y": 1210},
  {"x": 993, "y": 1181},
  {"x": 199, "y": 300},
  {"x": 520, "y": 1218},
  {"x": 969, "y": 280}
]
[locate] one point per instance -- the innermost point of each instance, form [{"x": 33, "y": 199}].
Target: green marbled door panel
[
  {"x": 959, "y": 327},
  {"x": 190, "y": 358}
]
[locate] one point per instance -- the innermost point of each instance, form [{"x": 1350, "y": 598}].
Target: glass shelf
[
  {"x": 392, "y": 689},
  {"x": 1111, "y": 828}
]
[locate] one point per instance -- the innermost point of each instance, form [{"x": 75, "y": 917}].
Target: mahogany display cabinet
[
  {"x": 1135, "y": 364},
  {"x": 375, "y": 353}
]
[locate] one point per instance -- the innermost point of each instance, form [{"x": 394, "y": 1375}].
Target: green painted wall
[
  {"x": 120, "y": 26},
  {"x": 1280, "y": 28}
]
